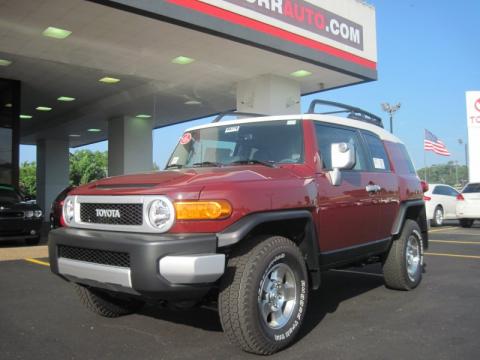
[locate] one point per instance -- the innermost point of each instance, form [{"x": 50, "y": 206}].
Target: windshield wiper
[
  {"x": 269, "y": 163},
  {"x": 207, "y": 163}
]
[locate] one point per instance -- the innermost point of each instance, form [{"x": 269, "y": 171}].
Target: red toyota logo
[{"x": 477, "y": 105}]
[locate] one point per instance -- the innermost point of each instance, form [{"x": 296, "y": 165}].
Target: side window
[
  {"x": 437, "y": 190},
  {"x": 328, "y": 135},
  {"x": 379, "y": 156},
  {"x": 452, "y": 192}
]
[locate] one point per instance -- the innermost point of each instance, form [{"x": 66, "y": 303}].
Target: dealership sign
[
  {"x": 304, "y": 15},
  {"x": 473, "y": 108}
]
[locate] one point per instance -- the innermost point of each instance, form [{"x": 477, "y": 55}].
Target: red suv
[{"x": 250, "y": 212}]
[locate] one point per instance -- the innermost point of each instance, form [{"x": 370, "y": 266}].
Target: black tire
[
  {"x": 33, "y": 241},
  {"x": 466, "y": 223},
  {"x": 437, "y": 221},
  {"x": 105, "y": 304},
  {"x": 241, "y": 294},
  {"x": 395, "y": 267}
]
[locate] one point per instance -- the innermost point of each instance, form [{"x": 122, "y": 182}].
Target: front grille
[
  {"x": 103, "y": 257},
  {"x": 114, "y": 214},
  {"x": 9, "y": 215}
]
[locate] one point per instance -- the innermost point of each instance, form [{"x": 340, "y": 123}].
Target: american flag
[{"x": 432, "y": 143}]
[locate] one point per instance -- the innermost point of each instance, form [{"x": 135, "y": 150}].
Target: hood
[{"x": 193, "y": 179}]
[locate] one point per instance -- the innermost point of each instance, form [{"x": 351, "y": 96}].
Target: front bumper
[
  {"x": 164, "y": 266},
  {"x": 19, "y": 229}
]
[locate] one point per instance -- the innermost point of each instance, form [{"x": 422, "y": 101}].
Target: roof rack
[
  {"x": 239, "y": 114},
  {"x": 353, "y": 112}
]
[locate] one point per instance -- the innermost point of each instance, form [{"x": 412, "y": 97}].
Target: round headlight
[
  {"x": 69, "y": 210},
  {"x": 29, "y": 214},
  {"x": 37, "y": 213},
  {"x": 161, "y": 214}
]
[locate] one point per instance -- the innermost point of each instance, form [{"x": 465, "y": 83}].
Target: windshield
[
  {"x": 472, "y": 188},
  {"x": 267, "y": 143},
  {"x": 10, "y": 195}
]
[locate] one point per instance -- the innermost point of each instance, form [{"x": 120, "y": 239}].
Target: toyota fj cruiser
[{"x": 249, "y": 212}]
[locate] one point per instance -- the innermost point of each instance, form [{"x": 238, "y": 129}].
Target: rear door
[
  {"x": 471, "y": 194},
  {"x": 451, "y": 201},
  {"x": 346, "y": 214},
  {"x": 380, "y": 174}
]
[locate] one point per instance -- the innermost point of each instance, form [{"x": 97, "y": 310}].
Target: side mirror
[
  {"x": 343, "y": 158},
  {"x": 27, "y": 198}
]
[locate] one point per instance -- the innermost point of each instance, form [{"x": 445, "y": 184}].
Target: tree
[
  {"x": 87, "y": 166},
  {"x": 28, "y": 178},
  {"x": 445, "y": 174}
]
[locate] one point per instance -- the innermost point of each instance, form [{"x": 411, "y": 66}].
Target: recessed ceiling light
[
  {"x": 8, "y": 105},
  {"x": 109, "y": 80},
  {"x": 24, "y": 116},
  {"x": 56, "y": 33},
  {"x": 300, "y": 73},
  {"x": 43, "y": 108},
  {"x": 74, "y": 135},
  {"x": 94, "y": 130},
  {"x": 193, "y": 102},
  {"x": 183, "y": 60},
  {"x": 143, "y": 116},
  {"x": 4, "y": 62},
  {"x": 66, "y": 98}
]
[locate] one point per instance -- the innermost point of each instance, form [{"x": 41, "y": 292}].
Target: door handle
[{"x": 373, "y": 188}]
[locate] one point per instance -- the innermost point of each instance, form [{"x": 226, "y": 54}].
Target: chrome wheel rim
[
  {"x": 278, "y": 296},
  {"x": 413, "y": 257},
  {"x": 439, "y": 216}
]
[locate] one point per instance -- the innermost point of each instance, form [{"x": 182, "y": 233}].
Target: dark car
[
  {"x": 57, "y": 206},
  {"x": 19, "y": 219}
]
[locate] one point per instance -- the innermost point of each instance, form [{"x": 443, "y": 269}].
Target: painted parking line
[
  {"x": 454, "y": 255},
  {"x": 455, "y": 242},
  {"x": 39, "y": 262},
  {"x": 443, "y": 229}
]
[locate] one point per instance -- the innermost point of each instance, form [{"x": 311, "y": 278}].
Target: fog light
[{"x": 32, "y": 232}]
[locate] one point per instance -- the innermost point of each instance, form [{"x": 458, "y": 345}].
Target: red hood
[{"x": 190, "y": 180}]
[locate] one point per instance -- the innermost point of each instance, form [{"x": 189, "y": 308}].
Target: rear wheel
[
  {"x": 104, "y": 304},
  {"x": 263, "y": 295},
  {"x": 438, "y": 216},
  {"x": 403, "y": 266},
  {"x": 466, "y": 223}
]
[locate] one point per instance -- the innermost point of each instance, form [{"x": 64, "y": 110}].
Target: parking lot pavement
[{"x": 353, "y": 316}]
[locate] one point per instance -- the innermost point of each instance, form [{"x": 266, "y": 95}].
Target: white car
[
  {"x": 468, "y": 208},
  {"x": 441, "y": 203}
]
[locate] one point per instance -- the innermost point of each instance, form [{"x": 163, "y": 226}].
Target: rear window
[
  {"x": 400, "y": 159},
  {"x": 472, "y": 188}
]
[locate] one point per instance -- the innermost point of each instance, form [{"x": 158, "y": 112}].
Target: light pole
[
  {"x": 460, "y": 142},
  {"x": 391, "y": 110}
]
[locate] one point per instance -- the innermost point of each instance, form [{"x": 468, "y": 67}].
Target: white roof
[{"x": 382, "y": 133}]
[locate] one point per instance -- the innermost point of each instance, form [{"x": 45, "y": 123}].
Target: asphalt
[{"x": 353, "y": 316}]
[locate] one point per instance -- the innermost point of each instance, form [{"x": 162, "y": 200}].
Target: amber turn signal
[{"x": 203, "y": 210}]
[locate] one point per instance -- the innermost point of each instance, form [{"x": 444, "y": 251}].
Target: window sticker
[
  {"x": 378, "y": 163},
  {"x": 291, "y": 122},
  {"x": 174, "y": 161},
  {"x": 232, "y": 129},
  {"x": 185, "y": 139}
]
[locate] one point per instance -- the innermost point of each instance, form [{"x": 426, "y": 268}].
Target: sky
[{"x": 428, "y": 56}]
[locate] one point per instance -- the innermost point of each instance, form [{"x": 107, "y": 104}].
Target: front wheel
[
  {"x": 403, "y": 265},
  {"x": 263, "y": 295}
]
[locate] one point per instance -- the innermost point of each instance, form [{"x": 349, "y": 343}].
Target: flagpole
[{"x": 425, "y": 165}]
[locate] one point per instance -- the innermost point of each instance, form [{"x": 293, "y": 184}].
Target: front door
[{"x": 346, "y": 214}]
